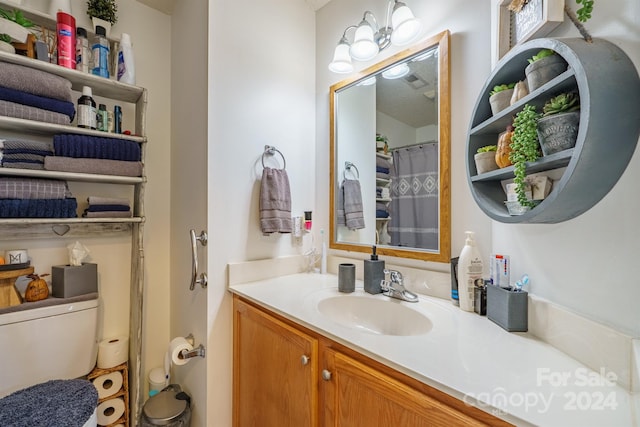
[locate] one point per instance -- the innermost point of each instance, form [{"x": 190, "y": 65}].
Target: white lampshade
[
  {"x": 363, "y": 47},
  {"x": 341, "y": 62},
  {"x": 406, "y": 27}
]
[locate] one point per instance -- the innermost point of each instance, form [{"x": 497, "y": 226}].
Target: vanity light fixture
[{"x": 369, "y": 38}]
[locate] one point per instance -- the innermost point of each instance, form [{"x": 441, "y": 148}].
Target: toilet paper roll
[
  {"x": 16, "y": 256},
  {"x": 108, "y": 384},
  {"x": 110, "y": 411},
  {"x": 113, "y": 352},
  {"x": 175, "y": 347}
]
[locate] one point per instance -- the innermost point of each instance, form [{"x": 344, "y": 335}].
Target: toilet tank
[{"x": 54, "y": 342}]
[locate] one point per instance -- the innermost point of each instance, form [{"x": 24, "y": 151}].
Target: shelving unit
[
  {"x": 608, "y": 85},
  {"x": 383, "y": 223},
  {"x": 52, "y": 228}
]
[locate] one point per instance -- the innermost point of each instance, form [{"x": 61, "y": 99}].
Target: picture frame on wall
[{"x": 536, "y": 19}]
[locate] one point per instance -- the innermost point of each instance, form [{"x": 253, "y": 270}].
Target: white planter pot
[
  {"x": 6, "y": 47},
  {"x": 16, "y": 31},
  {"x": 102, "y": 23},
  {"x": 485, "y": 162}
]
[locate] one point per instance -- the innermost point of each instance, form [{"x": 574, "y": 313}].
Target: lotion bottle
[
  {"x": 470, "y": 269},
  {"x": 373, "y": 273}
]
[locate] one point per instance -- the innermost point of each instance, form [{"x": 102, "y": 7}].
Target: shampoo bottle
[
  {"x": 470, "y": 269},
  {"x": 126, "y": 67},
  {"x": 373, "y": 273}
]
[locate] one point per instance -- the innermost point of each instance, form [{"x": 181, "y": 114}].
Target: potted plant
[
  {"x": 543, "y": 67},
  {"x": 13, "y": 28},
  {"x": 500, "y": 97},
  {"x": 524, "y": 148},
  {"x": 558, "y": 126},
  {"x": 103, "y": 13},
  {"x": 485, "y": 159}
]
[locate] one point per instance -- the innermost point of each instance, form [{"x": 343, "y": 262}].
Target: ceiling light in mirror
[
  {"x": 368, "y": 82},
  {"x": 396, "y": 72}
]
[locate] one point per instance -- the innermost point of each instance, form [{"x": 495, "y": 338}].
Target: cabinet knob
[
  {"x": 304, "y": 359},
  {"x": 326, "y": 375}
]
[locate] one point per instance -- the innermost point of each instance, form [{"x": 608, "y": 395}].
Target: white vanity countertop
[{"x": 511, "y": 375}]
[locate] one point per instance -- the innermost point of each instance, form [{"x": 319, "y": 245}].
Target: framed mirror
[{"x": 389, "y": 156}]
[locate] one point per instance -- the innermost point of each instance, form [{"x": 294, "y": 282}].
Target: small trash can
[{"x": 170, "y": 408}]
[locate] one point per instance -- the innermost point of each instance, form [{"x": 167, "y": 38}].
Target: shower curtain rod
[{"x": 414, "y": 145}]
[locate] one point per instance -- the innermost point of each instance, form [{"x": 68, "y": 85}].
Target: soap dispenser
[{"x": 373, "y": 273}]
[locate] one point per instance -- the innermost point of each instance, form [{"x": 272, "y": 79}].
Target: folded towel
[
  {"x": 382, "y": 170},
  {"x": 24, "y": 145},
  {"x": 23, "y": 165},
  {"x": 6, "y": 162},
  {"x": 95, "y": 166},
  {"x": 36, "y": 82},
  {"x": 275, "y": 202},
  {"x": 107, "y": 214},
  {"x": 93, "y": 147},
  {"x": 24, "y": 156},
  {"x": 29, "y": 154},
  {"x": 19, "y": 111},
  {"x": 49, "y": 104},
  {"x": 384, "y": 163},
  {"x": 382, "y": 175},
  {"x": 98, "y": 200},
  {"x": 352, "y": 196},
  {"x": 106, "y": 208},
  {"x": 38, "y": 208},
  {"x": 382, "y": 214},
  {"x": 381, "y": 206},
  {"x": 33, "y": 188}
]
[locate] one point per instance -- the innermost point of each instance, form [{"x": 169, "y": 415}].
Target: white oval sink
[{"x": 375, "y": 316}]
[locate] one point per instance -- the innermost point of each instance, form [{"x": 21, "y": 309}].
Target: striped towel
[{"x": 33, "y": 188}]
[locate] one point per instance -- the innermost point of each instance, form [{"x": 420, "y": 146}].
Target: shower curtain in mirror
[{"x": 414, "y": 197}]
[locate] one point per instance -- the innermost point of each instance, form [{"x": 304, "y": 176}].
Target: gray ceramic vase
[
  {"x": 558, "y": 132},
  {"x": 544, "y": 70}
]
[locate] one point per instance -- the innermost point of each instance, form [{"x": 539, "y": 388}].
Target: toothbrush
[{"x": 522, "y": 282}]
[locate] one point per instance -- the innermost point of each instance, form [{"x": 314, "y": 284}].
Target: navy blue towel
[
  {"x": 50, "y": 104},
  {"x": 94, "y": 147},
  {"x": 38, "y": 208},
  {"x": 381, "y": 213},
  {"x": 381, "y": 169},
  {"x": 108, "y": 208}
]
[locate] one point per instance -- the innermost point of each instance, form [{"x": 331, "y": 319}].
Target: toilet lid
[{"x": 164, "y": 408}]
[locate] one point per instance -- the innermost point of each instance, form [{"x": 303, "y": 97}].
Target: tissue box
[
  {"x": 507, "y": 308},
  {"x": 72, "y": 280}
]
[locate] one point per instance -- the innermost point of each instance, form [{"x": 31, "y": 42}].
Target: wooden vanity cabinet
[{"x": 336, "y": 387}]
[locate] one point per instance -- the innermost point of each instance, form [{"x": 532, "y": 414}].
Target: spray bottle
[{"x": 470, "y": 269}]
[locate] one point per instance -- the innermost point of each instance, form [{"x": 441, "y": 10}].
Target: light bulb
[
  {"x": 363, "y": 47},
  {"x": 341, "y": 62},
  {"x": 406, "y": 27}
]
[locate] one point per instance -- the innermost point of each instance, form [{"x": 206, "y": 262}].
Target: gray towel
[
  {"x": 34, "y": 81},
  {"x": 341, "y": 219},
  {"x": 108, "y": 214},
  {"x": 33, "y": 188},
  {"x": 98, "y": 200},
  {"x": 96, "y": 166},
  {"x": 275, "y": 202},
  {"x": 19, "y": 111},
  {"x": 354, "y": 217}
]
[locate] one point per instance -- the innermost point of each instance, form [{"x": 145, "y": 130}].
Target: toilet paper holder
[{"x": 198, "y": 351}]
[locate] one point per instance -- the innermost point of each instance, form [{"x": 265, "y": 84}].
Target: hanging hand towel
[
  {"x": 275, "y": 202},
  {"x": 354, "y": 216},
  {"x": 341, "y": 219}
]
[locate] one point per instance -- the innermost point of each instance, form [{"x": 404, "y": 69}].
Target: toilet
[{"x": 44, "y": 350}]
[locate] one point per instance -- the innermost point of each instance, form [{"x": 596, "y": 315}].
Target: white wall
[
  {"x": 469, "y": 23},
  {"x": 260, "y": 91},
  {"x": 587, "y": 263}
]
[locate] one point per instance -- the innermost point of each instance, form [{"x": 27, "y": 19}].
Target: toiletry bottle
[
  {"x": 100, "y": 51},
  {"x": 102, "y": 118},
  {"x": 470, "y": 269},
  {"x": 86, "y": 109},
  {"x": 126, "y": 67},
  {"x": 83, "y": 56},
  {"x": 373, "y": 273},
  {"x": 66, "y": 40}
]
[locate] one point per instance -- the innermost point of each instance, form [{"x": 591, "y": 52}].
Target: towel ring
[
  {"x": 270, "y": 150},
  {"x": 347, "y": 167}
]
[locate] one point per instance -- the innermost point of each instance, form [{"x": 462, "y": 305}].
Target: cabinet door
[
  {"x": 274, "y": 382},
  {"x": 356, "y": 395}
]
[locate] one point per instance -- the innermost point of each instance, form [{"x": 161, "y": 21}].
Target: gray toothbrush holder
[
  {"x": 346, "y": 278},
  {"x": 508, "y": 308}
]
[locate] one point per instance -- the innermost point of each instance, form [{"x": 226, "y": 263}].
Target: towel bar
[{"x": 270, "y": 150}]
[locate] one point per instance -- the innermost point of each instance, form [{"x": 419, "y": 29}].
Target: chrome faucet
[{"x": 394, "y": 287}]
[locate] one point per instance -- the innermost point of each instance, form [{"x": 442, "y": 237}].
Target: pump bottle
[
  {"x": 373, "y": 273},
  {"x": 470, "y": 269}
]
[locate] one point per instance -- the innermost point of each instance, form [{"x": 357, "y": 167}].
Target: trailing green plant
[
  {"x": 541, "y": 54},
  {"x": 524, "y": 148},
  {"x": 584, "y": 13},
  {"x": 500, "y": 88},
  {"x": 103, "y": 9},
  {"x": 14, "y": 16},
  {"x": 487, "y": 148},
  {"x": 563, "y": 103}
]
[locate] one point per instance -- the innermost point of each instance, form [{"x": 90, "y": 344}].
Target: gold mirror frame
[{"x": 441, "y": 41}]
